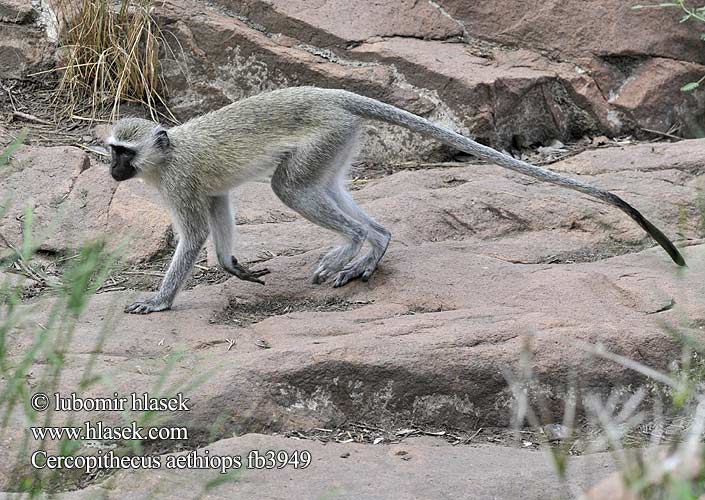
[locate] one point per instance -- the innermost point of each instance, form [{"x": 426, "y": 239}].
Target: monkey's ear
[{"x": 162, "y": 140}]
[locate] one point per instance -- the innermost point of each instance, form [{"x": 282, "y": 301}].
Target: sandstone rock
[
  {"x": 36, "y": 181},
  {"x": 659, "y": 469},
  {"x": 416, "y": 468},
  {"x": 588, "y": 83},
  {"x": 138, "y": 219},
  {"x": 24, "y": 49},
  {"x": 16, "y": 281},
  {"x": 15, "y": 11},
  {"x": 488, "y": 98},
  {"x": 517, "y": 98},
  {"x": 612, "y": 487},
  {"x": 82, "y": 213},
  {"x": 74, "y": 201},
  {"x": 576, "y": 29},
  {"x": 481, "y": 260},
  {"x": 340, "y": 23},
  {"x": 254, "y": 62},
  {"x": 642, "y": 56},
  {"x": 504, "y": 97},
  {"x": 652, "y": 96}
]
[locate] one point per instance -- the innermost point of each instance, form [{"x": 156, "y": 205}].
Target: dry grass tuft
[{"x": 110, "y": 54}]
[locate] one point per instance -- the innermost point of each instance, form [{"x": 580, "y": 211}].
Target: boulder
[
  {"x": 629, "y": 53},
  {"x": 75, "y": 200},
  {"x": 25, "y": 47},
  {"x": 576, "y": 29},
  {"x": 36, "y": 181},
  {"x": 16, "y": 11},
  {"x": 338, "y": 24}
]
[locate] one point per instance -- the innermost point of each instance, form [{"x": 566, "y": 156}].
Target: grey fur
[{"x": 306, "y": 137}]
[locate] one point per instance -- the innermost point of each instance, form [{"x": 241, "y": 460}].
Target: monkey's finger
[
  {"x": 246, "y": 275},
  {"x": 251, "y": 278}
]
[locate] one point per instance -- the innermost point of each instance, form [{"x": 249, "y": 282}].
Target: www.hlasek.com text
[{"x": 97, "y": 431}]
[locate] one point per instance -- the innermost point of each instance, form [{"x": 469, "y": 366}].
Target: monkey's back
[{"x": 245, "y": 139}]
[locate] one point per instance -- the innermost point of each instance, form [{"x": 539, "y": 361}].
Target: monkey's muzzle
[{"x": 121, "y": 164}]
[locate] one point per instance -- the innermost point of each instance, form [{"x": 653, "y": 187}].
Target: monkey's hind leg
[
  {"x": 220, "y": 220},
  {"x": 377, "y": 236},
  {"x": 312, "y": 183},
  {"x": 315, "y": 204}
]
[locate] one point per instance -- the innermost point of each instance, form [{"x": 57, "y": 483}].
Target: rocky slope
[
  {"x": 483, "y": 266},
  {"x": 486, "y": 268}
]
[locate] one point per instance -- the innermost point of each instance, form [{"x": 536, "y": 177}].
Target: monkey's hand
[
  {"x": 245, "y": 274},
  {"x": 146, "y": 306}
]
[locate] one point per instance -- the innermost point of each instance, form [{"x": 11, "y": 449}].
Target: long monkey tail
[{"x": 370, "y": 108}]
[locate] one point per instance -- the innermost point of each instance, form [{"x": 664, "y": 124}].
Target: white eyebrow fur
[{"x": 112, "y": 141}]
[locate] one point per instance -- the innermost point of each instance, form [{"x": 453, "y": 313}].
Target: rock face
[
  {"x": 25, "y": 46},
  {"x": 527, "y": 78},
  {"x": 639, "y": 59},
  {"x": 580, "y": 29},
  {"x": 15, "y": 11},
  {"x": 79, "y": 202}
]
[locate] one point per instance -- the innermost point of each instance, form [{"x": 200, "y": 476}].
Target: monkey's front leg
[
  {"x": 181, "y": 264},
  {"x": 222, "y": 228}
]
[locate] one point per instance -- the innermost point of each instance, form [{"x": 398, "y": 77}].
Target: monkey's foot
[
  {"x": 332, "y": 262},
  {"x": 146, "y": 306},
  {"x": 240, "y": 271},
  {"x": 361, "y": 268}
]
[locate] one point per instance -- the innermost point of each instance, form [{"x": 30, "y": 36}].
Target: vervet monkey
[{"x": 306, "y": 138}]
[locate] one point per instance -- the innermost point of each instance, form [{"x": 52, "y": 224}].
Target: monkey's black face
[{"x": 121, "y": 163}]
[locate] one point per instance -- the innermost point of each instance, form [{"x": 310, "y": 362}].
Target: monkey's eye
[
  {"x": 121, "y": 150},
  {"x": 122, "y": 153}
]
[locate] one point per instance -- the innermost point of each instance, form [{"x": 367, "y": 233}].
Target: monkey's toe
[
  {"x": 260, "y": 272},
  {"x": 351, "y": 272},
  {"x": 323, "y": 273},
  {"x": 320, "y": 276},
  {"x": 346, "y": 276},
  {"x": 332, "y": 263},
  {"x": 361, "y": 268},
  {"x": 145, "y": 307}
]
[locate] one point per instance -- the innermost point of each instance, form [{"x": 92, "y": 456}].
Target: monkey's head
[{"x": 136, "y": 146}]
